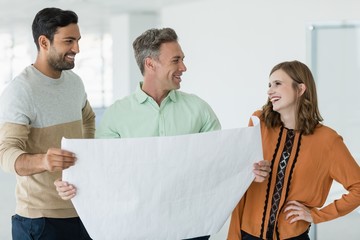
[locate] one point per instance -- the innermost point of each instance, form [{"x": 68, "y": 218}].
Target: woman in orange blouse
[{"x": 306, "y": 156}]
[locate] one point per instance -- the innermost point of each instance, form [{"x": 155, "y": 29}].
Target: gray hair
[{"x": 148, "y": 44}]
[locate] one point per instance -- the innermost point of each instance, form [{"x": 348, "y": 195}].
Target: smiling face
[
  {"x": 169, "y": 66},
  {"x": 282, "y": 93},
  {"x": 63, "y": 48},
  {"x": 292, "y": 99}
]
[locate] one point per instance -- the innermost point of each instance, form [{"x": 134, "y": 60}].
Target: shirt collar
[{"x": 141, "y": 96}]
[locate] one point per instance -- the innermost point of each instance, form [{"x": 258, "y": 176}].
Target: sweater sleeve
[
  {"x": 88, "y": 118},
  {"x": 13, "y": 138},
  {"x": 16, "y": 114},
  {"x": 345, "y": 170}
]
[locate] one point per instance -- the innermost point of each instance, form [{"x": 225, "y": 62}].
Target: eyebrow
[
  {"x": 71, "y": 38},
  {"x": 178, "y": 57}
]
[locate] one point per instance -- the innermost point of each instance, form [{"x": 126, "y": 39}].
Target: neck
[
  {"x": 155, "y": 92},
  {"x": 45, "y": 69},
  {"x": 288, "y": 121}
]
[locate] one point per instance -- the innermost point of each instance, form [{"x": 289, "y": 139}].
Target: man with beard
[{"x": 46, "y": 102}]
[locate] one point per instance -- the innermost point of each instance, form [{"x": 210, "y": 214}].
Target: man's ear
[
  {"x": 43, "y": 42},
  {"x": 302, "y": 89},
  {"x": 149, "y": 63}
]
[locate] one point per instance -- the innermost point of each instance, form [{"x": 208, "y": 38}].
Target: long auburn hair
[{"x": 307, "y": 111}]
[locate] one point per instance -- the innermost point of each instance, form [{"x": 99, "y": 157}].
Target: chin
[
  {"x": 176, "y": 86},
  {"x": 275, "y": 109}
]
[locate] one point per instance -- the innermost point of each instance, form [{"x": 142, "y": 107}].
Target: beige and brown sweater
[{"x": 35, "y": 113}]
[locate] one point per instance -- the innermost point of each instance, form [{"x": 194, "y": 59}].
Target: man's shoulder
[
  {"x": 193, "y": 101},
  {"x": 125, "y": 100},
  {"x": 189, "y": 96},
  {"x": 19, "y": 86},
  {"x": 123, "y": 103},
  {"x": 70, "y": 74}
]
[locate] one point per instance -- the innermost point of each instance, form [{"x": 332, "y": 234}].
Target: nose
[
  {"x": 182, "y": 67},
  {"x": 270, "y": 91},
  {"x": 75, "y": 48}
]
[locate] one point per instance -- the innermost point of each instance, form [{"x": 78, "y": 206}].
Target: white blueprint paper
[{"x": 161, "y": 188}]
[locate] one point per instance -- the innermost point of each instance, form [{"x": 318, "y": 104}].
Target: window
[
  {"x": 93, "y": 64},
  {"x": 13, "y": 58}
]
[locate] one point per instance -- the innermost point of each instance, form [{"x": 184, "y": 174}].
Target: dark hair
[
  {"x": 48, "y": 20},
  {"x": 308, "y": 115},
  {"x": 148, "y": 44}
]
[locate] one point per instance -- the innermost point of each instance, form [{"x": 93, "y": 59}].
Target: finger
[
  {"x": 295, "y": 218},
  {"x": 294, "y": 213},
  {"x": 61, "y": 158},
  {"x": 55, "y": 162},
  {"x": 263, "y": 164},
  {"x": 60, "y": 162},
  {"x": 292, "y": 208},
  {"x": 58, "y": 166},
  {"x": 59, "y": 183},
  {"x": 296, "y": 203},
  {"x": 63, "y": 189},
  {"x": 60, "y": 152},
  {"x": 260, "y": 176},
  {"x": 67, "y": 192},
  {"x": 266, "y": 169},
  {"x": 259, "y": 172},
  {"x": 67, "y": 195}
]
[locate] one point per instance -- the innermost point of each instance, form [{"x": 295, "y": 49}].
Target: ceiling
[{"x": 18, "y": 14}]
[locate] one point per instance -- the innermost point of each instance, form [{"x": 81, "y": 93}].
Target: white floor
[{"x": 347, "y": 227}]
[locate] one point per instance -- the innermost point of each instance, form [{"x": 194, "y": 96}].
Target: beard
[{"x": 58, "y": 62}]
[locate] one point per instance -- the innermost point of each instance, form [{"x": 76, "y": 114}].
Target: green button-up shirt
[{"x": 138, "y": 115}]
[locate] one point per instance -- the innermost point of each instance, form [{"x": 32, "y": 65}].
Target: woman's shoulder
[
  {"x": 325, "y": 133},
  {"x": 325, "y": 129}
]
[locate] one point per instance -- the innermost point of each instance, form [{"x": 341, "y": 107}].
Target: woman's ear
[{"x": 301, "y": 89}]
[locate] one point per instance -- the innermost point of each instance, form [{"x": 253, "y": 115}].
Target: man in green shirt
[{"x": 157, "y": 107}]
